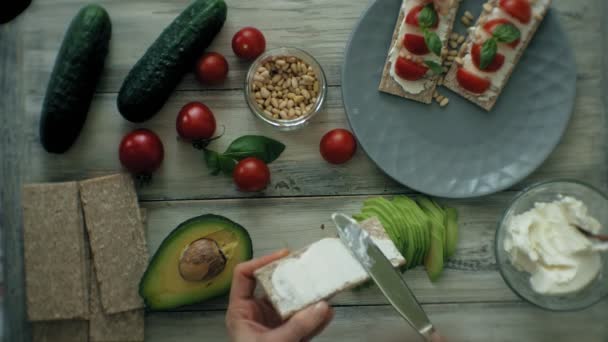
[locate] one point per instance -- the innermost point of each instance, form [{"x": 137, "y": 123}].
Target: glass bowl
[
  {"x": 519, "y": 281},
  {"x": 286, "y": 124}
]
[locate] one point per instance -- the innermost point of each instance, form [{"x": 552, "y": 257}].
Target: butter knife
[{"x": 384, "y": 275}]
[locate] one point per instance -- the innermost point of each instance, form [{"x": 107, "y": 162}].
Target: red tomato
[
  {"x": 496, "y": 63},
  {"x": 141, "y": 152},
  {"x": 212, "y": 68},
  {"x": 409, "y": 70},
  {"x": 472, "y": 82},
  {"x": 491, "y": 25},
  {"x": 415, "y": 44},
  {"x": 251, "y": 174},
  {"x": 518, "y": 9},
  {"x": 338, "y": 146},
  {"x": 195, "y": 122},
  {"x": 412, "y": 16},
  {"x": 248, "y": 43}
]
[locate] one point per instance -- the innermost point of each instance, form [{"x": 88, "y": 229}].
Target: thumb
[{"x": 303, "y": 324}]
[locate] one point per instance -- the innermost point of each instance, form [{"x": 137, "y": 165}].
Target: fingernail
[{"x": 320, "y": 307}]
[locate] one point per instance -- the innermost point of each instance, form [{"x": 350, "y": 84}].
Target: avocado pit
[{"x": 201, "y": 260}]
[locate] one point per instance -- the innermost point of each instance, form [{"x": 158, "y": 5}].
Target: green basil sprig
[
  {"x": 427, "y": 18},
  {"x": 503, "y": 33},
  {"x": 263, "y": 148}
]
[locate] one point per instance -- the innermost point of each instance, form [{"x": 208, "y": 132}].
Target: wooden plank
[
  {"x": 300, "y": 171},
  {"x": 13, "y": 160},
  {"x": 315, "y": 25},
  {"x": 496, "y": 322},
  {"x": 471, "y": 274}
]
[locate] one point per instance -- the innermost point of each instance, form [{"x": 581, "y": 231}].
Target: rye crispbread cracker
[
  {"x": 390, "y": 86},
  {"x": 54, "y": 252},
  {"x": 119, "y": 327},
  {"x": 264, "y": 274},
  {"x": 488, "y": 103},
  {"x": 117, "y": 240},
  {"x": 60, "y": 331}
]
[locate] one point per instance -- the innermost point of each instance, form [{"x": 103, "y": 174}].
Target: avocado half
[{"x": 195, "y": 262}]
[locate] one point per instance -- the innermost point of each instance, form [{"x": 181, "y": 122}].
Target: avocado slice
[{"x": 195, "y": 262}]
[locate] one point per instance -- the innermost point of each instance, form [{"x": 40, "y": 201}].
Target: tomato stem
[{"x": 202, "y": 144}]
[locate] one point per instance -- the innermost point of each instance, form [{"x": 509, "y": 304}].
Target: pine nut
[
  {"x": 469, "y": 15},
  {"x": 460, "y": 40},
  {"x": 264, "y": 92},
  {"x": 444, "y": 102},
  {"x": 487, "y": 7}
]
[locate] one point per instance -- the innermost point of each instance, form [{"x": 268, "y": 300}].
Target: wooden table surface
[{"x": 470, "y": 302}]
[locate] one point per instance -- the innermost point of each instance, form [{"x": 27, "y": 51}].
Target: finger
[
  {"x": 435, "y": 337},
  {"x": 243, "y": 282},
  {"x": 302, "y": 324},
  {"x": 328, "y": 319}
]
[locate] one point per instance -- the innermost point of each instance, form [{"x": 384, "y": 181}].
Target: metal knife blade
[{"x": 382, "y": 272}]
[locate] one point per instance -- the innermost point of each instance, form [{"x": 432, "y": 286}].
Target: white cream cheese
[
  {"x": 418, "y": 86},
  {"x": 499, "y": 77},
  {"x": 545, "y": 243},
  {"x": 324, "y": 267}
]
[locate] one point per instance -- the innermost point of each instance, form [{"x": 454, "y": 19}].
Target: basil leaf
[
  {"x": 212, "y": 161},
  {"x": 435, "y": 67},
  {"x": 257, "y": 146},
  {"x": 227, "y": 164},
  {"x": 488, "y": 52},
  {"x": 427, "y": 18},
  {"x": 432, "y": 42},
  {"x": 506, "y": 33}
]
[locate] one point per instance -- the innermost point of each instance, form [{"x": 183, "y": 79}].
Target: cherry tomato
[
  {"x": 338, "y": 146},
  {"x": 409, "y": 70},
  {"x": 248, "y": 43},
  {"x": 518, "y": 9},
  {"x": 195, "y": 122},
  {"x": 415, "y": 44},
  {"x": 472, "y": 82},
  {"x": 412, "y": 16},
  {"x": 491, "y": 25},
  {"x": 496, "y": 63},
  {"x": 141, "y": 152},
  {"x": 251, "y": 174},
  {"x": 212, "y": 68}
]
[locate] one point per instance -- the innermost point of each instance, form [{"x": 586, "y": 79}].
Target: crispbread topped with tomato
[
  {"x": 493, "y": 48},
  {"x": 417, "y": 49}
]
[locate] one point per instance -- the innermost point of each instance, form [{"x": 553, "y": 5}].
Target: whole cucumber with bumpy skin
[
  {"x": 74, "y": 78},
  {"x": 154, "y": 77}
]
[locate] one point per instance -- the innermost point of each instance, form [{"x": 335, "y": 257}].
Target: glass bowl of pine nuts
[{"x": 286, "y": 88}]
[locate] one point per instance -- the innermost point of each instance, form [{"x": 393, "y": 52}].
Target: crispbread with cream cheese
[
  {"x": 389, "y": 85},
  {"x": 488, "y": 103},
  {"x": 285, "y": 308}
]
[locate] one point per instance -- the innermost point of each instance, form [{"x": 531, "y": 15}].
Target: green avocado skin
[
  {"x": 74, "y": 79},
  {"x": 10, "y": 9},
  {"x": 154, "y": 77}
]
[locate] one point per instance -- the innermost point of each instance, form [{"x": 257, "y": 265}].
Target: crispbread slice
[
  {"x": 60, "y": 331},
  {"x": 119, "y": 327},
  {"x": 390, "y": 86},
  {"x": 287, "y": 307},
  {"x": 54, "y": 252},
  {"x": 117, "y": 240},
  {"x": 484, "y": 102}
]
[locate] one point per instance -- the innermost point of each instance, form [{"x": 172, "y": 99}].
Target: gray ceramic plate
[{"x": 461, "y": 150}]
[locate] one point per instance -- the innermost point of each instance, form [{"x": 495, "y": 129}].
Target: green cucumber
[
  {"x": 75, "y": 76},
  {"x": 154, "y": 77},
  {"x": 11, "y": 9}
]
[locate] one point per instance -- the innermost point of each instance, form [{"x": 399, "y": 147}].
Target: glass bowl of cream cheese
[{"x": 541, "y": 252}]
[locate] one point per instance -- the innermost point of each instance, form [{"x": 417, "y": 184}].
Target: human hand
[{"x": 251, "y": 319}]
